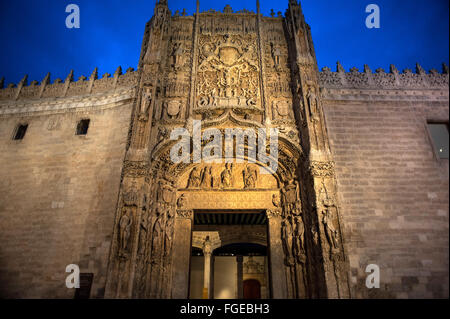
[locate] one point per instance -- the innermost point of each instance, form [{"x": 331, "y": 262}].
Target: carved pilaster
[{"x": 326, "y": 229}]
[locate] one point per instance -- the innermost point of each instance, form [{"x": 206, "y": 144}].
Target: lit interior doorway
[{"x": 229, "y": 256}]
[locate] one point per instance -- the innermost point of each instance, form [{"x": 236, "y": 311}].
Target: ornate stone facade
[{"x": 229, "y": 70}]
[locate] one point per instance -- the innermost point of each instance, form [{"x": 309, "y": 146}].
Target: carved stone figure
[
  {"x": 330, "y": 231},
  {"x": 299, "y": 235},
  {"x": 250, "y": 175},
  {"x": 276, "y": 53},
  {"x": 312, "y": 104},
  {"x": 207, "y": 179},
  {"x": 276, "y": 200},
  {"x": 177, "y": 55},
  {"x": 157, "y": 237},
  {"x": 143, "y": 232},
  {"x": 226, "y": 177},
  {"x": 168, "y": 237},
  {"x": 181, "y": 202},
  {"x": 195, "y": 178},
  {"x": 162, "y": 134},
  {"x": 290, "y": 194},
  {"x": 124, "y": 231},
  {"x": 287, "y": 237},
  {"x": 146, "y": 101}
]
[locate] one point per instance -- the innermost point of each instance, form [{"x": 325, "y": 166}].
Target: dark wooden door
[{"x": 252, "y": 289}]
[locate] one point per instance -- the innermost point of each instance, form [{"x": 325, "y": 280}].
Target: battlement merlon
[
  {"x": 68, "y": 88},
  {"x": 382, "y": 80}
]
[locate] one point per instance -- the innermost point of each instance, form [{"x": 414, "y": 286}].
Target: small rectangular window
[
  {"x": 84, "y": 291},
  {"x": 82, "y": 127},
  {"x": 20, "y": 131},
  {"x": 439, "y": 135}
]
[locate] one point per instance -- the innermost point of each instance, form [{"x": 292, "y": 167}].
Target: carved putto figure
[{"x": 250, "y": 175}]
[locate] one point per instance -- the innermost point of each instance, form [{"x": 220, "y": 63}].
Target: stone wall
[
  {"x": 392, "y": 188},
  {"x": 59, "y": 190}
]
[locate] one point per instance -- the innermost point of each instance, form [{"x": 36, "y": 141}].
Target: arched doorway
[
  {"x": 252, "y": 289},
  {"x": 237, "y": 253}
]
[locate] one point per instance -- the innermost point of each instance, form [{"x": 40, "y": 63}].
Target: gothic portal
[{"x": 228, "y": 70}]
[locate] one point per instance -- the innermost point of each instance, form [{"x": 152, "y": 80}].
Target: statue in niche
[
  {"x": 299, "y": 235},
  {"x": 157, "y": 234},
  {"x": 290, "y": 195},
  {"x": 124, "y": 230},
  {"x": 143, "y": 231},
  {"x": 276, "y": 53},
  {"x": 226, "y": 177},
  {"x": 177, "y": 55},
  {"x": 168, "y": 236},
  {"x": 287, "y": 237},
  {"x": 312, "y": 104},
  {"x": 327, "y": 220},
  {"x": 207, "y": 177},
  {"x": 195, "y": 178},
  {"x": 250, "y": 175},
  {"x": 145, "y": 102}
]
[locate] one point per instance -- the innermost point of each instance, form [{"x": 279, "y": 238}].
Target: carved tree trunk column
[
  {"x": 182, "y": 242},
  {"x": 277, "y": 281}
]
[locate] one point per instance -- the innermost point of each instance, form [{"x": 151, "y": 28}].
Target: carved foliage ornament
[{"x": 322, "y": 168}]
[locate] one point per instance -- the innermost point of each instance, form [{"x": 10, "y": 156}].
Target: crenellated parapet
[
  {"x": 383, "y": 80},
  {"x": 69, "y": 87}
]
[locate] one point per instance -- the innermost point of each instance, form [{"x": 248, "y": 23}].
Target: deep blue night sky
[{"x": 35, "y": 40}]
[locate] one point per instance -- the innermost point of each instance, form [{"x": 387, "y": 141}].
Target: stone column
[
  {"x": 240, "y": 275},
  {"x": 181, "y": 254},
  {"x": 277, "y": 277},
  {"x": 207, "y": 251}
]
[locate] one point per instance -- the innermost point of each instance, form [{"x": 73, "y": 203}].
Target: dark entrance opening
[{"x": 252, "y": 289}]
